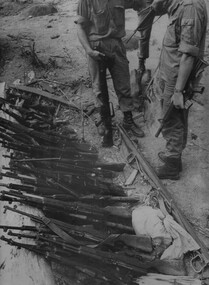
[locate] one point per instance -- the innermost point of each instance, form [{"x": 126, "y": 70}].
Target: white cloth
[{"x": 154, "y": 223}]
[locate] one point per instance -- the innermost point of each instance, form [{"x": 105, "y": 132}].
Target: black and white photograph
[{"x": 104, "y": 142}]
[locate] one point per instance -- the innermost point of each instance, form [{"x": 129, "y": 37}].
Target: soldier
[
  {"x": 183, "y": 43},
  {"x": 101, "y": 26}
]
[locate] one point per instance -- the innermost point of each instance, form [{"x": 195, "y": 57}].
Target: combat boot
[
  {"x": 170, "y": 160},
  {"x": 168, "y": 171},
  {"x": 129, "y": 125}
]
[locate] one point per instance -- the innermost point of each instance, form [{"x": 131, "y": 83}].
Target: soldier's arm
[
  {"x": 82, "y": 36},
  {"x": 192, "y": 30},
  {"x": 82, "y": 24},
  {"x": 185, "y": 68}
]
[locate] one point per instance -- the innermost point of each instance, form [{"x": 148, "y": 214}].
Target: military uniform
[
  {"x": 104, "y": 22},
  {"x": 185, "y": 33},
  {"x": 144, "y": 37}
]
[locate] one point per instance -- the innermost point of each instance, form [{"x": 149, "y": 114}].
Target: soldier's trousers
[
  {"x": 144, "y": 36},
  {"x": 119, "y": 71},
  {"x": 176, "y": 127}
]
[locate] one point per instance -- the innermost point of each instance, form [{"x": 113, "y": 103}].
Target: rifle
[
  {"x": 147, "y": 17},
  {"x": 49, "y": 224},
  {"x": 27, "y": 180},
  {"x": 133, "y": 242},
  {"x": 142, "y": 242},
  {"x": 39, "y": 151},
  {"x": 105, "y": 62},
  {"x": 24, "y": 228},
  {"x": 108, "y": 199},
  {"x": 34, "y": 236},
  {"x": 78, "y": 231},
  {"x": 188, "y": 92},
  {"x": 63, "y": 188},
  {"x": 31, "y": 189},
  {"x": 62, "y": 206},
  {"x": 36, "y": 182},
  {"x": 67, "y": 169},
  {"x": 120, "y": 260},
  {"x": 117, "y": 167},
  {"x": 97, "y": 186},
  {"x": 79, "y": 185},
  {"x": 91, "y": 269},
  {"x": 81, "y": 173},
  {"x": 40, "y": 136},
  {"x": 120, "y": 227},
  {"x": 27, "y": 122}
]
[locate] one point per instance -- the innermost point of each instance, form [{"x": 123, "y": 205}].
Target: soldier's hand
[
  {"x": 96, "y": 55},
  {"x": 178, "y": 100}
]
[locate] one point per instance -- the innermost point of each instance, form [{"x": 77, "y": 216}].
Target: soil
[{"x": 44, "y": 40}]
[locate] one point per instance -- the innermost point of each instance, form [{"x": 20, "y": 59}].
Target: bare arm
[
  {"x": 82, "y": 36},
  {"x": 185, "y": 68}
]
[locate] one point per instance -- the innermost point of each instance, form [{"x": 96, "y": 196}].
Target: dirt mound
[
  {"x": 11, "y": 8},
  {"x": 40, "y": 10}
]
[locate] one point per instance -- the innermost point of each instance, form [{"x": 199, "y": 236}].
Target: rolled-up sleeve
[
  {"x": 82, "y": 12},
  {"x": 191, "y": 32}
]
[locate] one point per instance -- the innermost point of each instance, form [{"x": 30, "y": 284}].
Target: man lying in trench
[{"x": 101, "y": 27}]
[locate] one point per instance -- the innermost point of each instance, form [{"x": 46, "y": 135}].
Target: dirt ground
[{"x": 61, "y": 61}]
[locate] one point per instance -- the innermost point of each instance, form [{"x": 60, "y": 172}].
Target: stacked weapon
[{"x": 87, "y": 220}]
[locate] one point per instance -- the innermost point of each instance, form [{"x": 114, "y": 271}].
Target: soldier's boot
[
  {"x": 170, "y": 169},
  {"x": 167, "y": 159},
  {"x": 130, "y": 125}
]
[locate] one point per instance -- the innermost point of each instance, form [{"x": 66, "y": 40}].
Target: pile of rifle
[{"x": 86, "y": 223}]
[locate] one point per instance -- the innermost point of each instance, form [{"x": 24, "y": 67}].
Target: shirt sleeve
[
  {"x": 83, "y": 12},
  {"x": 191, "y": 31}
]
